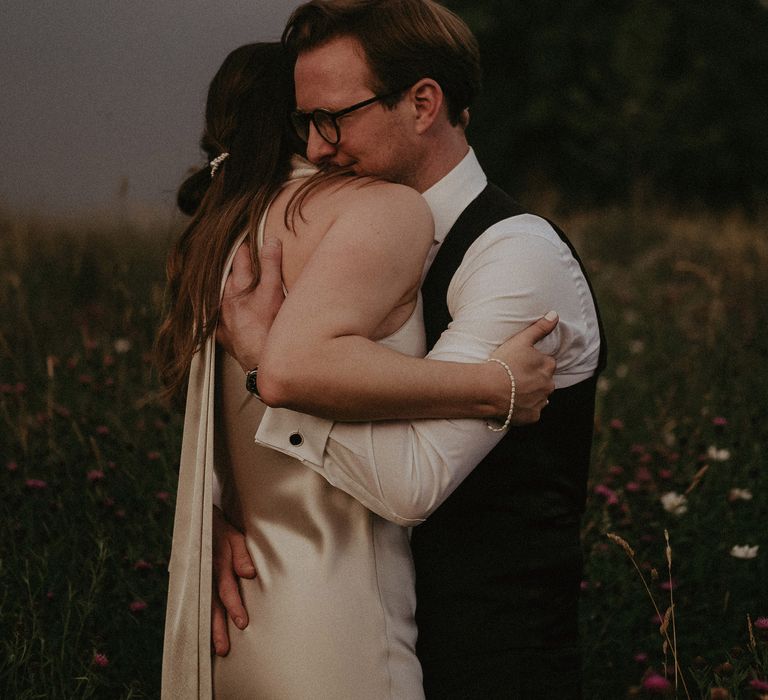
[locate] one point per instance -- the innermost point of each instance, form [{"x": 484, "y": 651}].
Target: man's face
[{"x": 375, "y": 140}]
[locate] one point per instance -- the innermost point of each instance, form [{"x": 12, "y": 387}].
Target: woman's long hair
[{"x": 246, "y": 115}]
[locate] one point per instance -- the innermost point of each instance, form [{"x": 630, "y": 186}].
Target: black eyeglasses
[{"x": 325, "y": 121}]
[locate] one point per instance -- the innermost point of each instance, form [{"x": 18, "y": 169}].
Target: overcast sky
[{"x": 97, "y": 92}]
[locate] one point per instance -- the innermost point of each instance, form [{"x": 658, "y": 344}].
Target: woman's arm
[{"x": 318, "y": 358}]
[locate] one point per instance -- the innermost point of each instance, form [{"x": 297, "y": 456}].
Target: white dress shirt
[{"x": 514, "y": 273}]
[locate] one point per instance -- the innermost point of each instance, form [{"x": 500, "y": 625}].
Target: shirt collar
[{"x": 448, "y": 197}]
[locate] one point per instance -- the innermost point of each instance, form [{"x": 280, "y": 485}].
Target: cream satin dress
[{"x": 332, "y": 607}]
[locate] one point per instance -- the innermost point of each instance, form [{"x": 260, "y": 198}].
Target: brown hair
[
  {"x": 246, "y": 115},
  {"x": 403, "y": 40}
]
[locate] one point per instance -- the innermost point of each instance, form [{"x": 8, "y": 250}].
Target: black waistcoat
[{"x": 498, "y": 565}]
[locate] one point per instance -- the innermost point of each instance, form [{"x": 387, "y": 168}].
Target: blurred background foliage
[{"x": 626, "y": 100}]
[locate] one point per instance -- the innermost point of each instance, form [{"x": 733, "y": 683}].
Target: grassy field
[{"x": 88, "y": 460}]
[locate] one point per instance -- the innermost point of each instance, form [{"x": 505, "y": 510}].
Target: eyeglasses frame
[{"x": 333, "y": 116}]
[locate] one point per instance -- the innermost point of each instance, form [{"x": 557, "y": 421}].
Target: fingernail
[
  {"x": 240, "y": 622},
  {"x": 551, "y": 315}
]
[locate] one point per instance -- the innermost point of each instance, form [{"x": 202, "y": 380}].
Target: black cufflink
[{"x": 296, "y": 439}]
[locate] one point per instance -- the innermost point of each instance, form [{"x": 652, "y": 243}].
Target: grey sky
[{"x": 97, "y": 92}]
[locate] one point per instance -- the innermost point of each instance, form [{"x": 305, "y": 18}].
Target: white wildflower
[
  {"x": 603, "y": 385},
  {"x": 622, "y": 371},
  {"x": 718, "y": 455},
  {"x": 674, "y": 502},
  {"x": 744, "y": 551},
  {"x": 122, "y": 346},
  {"x": 636, "y": 347},
  {"x": 740, "y": 495},
  {"x": 631, "y": 317}
]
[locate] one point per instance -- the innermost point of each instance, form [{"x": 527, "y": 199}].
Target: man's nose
[{"x": 318, "y": 149}]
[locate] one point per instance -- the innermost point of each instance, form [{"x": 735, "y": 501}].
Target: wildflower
[
  {"x": 584, "y": 586},
  {"x": 122, "y": 346},
  {"x": 718, "y": 455},
  {"x": 665, "y": 473},
  {"x": 611, "y": 498},
  {"x": 668, "y": 585},
  {"x": 615, "y": 470},
  {"x": 12, "y": 466},
  {"x": 35, "y": 484},
  {"x": 636, "y": 347},
  {"x": 163, "y": 496},
  {"x": 719, "y": 693},
  {"x": 719, "y": 421},
  {"x": 616, "y": 424},
  {"x": 761, "y": 624},
  {"x": 643, "y": 474},
  {"x": 153, "y": 456},
  {"x": 102, "y": 430},
  {"x": 137, "y": 606},
  {"x": 95, "y": 475},
  {"x": 603, "y": 385},
  {"x": 632, "y": 487},
  {"x": 756, "y": 684},
  {"x": 109, "y": 360},
  {"x": 142, "y": 565},
  {"x": 674, "y": 503},
  {"x": 744, "y": 551},
  {"x": 739, "y": 495},
  {"x": 85, "y": 379},
  {"x": 654, "y": 683},
  {"x": 100, "y": 659},
  {"x": 20, "y": 388},
  {"x": 641, "y": 657},
  {"x": 50, "y": 595},
  {"x": 622, "y": 371}
]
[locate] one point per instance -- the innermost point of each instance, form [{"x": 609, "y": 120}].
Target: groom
[{"x": 498, "y": 564}]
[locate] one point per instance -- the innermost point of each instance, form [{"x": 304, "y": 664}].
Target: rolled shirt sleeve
[{"x": 403, "y": 470}]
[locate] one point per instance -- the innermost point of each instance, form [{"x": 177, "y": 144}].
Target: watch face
[{"x": 250, "y": 382}]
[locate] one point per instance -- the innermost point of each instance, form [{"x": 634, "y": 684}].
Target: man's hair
[{"x": 403, "y": 41}]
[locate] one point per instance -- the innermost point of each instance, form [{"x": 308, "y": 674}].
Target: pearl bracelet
[{"x": 511, "y": 397}]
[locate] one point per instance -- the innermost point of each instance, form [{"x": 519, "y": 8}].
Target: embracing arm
[{"x": 318, "y": 358}]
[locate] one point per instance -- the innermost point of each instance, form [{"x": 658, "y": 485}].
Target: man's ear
[{"x": 427, "y": 99}]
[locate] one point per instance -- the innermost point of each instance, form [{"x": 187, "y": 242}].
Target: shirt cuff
[{"x": 296, "y": 434}]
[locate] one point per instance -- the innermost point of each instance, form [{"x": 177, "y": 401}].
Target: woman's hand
[
  {"x": 230, "y": 561},
  {"x": 532, "y": 370}
]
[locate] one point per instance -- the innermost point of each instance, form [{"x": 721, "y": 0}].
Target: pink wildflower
[
  {"x": 609, "y": 494},
  {"x": 109, "y": 360},
  {"x": 643, "y": 474},
  {"x": 137, "y": 606},
  {"x": 142, "y": 565},
  {"x": 616, "y": 424},
  {"x": 153, "y": 456},
  {"x": 85, "y": 379},
  {"x": 12, "y": 466},
  {"x": 584, "y": 585},
  {"x": 665, "y": 473},
  {"x": 50, "y": 595},
  {"x": 615, "y": 470},
  {"x": 163, "y": 496},
  {"x": 35, "y": 484},
  {"x": 667, "y": 586},
  {"x": 632, "y": 487},
  {"x": 20, "y": 388},
  {"x": 95, "y": 475},
  {"x": 102, "y": 430},
  {"x": 761, "y": 624},
  {"x": 6, "y": 388},
  {"x": 641, "y": 657},
  {"x": 654, "y": 683},
  {"x": 719, "y": 421},
  {"x": 757, "y": 684},
  {"x": 100, "y": 659}
]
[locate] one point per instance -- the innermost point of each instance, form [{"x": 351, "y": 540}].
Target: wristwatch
[{"x": 250, "y": 381}]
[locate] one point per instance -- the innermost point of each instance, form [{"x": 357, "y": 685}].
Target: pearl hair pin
[{"x": 216, "y": 162}]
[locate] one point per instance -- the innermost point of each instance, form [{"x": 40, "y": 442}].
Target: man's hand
[
  {"x": 533, "y": 371},
  {"x": 246, "y": 317},
  {"x": 230, "y": 560}
]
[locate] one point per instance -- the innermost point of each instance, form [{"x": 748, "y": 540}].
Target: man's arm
[{"x": 404, "y": 470}]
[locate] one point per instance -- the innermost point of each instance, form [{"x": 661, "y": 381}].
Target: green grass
[{"x": 88, "y": 457}]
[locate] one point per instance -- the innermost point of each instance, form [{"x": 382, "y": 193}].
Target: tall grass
[{"x": 88, "y": 459}]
